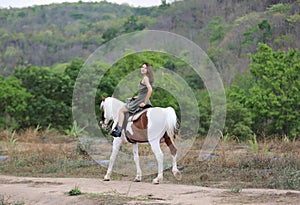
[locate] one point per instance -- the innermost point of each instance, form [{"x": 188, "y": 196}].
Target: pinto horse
[{"x": 155, "y": 125}]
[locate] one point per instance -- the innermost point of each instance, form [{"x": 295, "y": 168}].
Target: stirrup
[{"x": 117, "y": 131}]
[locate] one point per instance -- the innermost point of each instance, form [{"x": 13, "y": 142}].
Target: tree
[
  {"x": 109, "y": 34},
  {"x": 259, "y": 33},
  {"x": 132, "y": 25},
  {"x": 238, "y": 120},
  {"x": 52, "y": 97},
  {"x": 13, "y": 101},
  {"x": 275, "y": 97},
  {"x": 265, "y": 27},
  {"x": 164, "y": 4},
  {"x": 216, "y": 30}
]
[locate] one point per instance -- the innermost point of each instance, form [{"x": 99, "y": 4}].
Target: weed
[
  {"x": 12, "y": 138},
  {"x": 289, "y": 178},
  {"x": 254, "y": 144},
  {"x": 74, "y": 192},
  {"x": 75, "y": 130},
  {"x": 37, "y": 129},
  {"x": 236, "y": 189},
  {"x": 285, "y": 139}
]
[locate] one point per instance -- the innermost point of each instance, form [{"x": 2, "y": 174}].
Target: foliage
[
  {"x": 254, "y": 144},
  {"x": 236, "y": 189},
  {"x": 204, "y": 106},
  {"x": 259, "y": 33},
  {"x": 216, "y": 30},
  {"x": 258, "y": 103},
  {"x": 13, "y": 102},
  {"x": 51, "y": 97},
  {"x": 109, "y": 34},
  {"x": 74, "y": 192},
  {"x": 32, "y": 34},
  {"x": 294, "y": 18},
  {"x": 275, "y": 97},
  {"x": 279, "y": 8},
  {"x": 132, "y": 25},
  {"x": 271, "y": 92},
  {"x": 238, "y": 121}
]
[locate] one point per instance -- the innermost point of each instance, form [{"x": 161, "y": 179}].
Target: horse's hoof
[
  {"x": 136, "y": 180},
  {"x": 106, "y": 179},
  {"x": 155, "y": 181}
]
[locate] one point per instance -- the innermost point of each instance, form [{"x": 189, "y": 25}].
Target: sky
[{"x": 27, "y": 3}]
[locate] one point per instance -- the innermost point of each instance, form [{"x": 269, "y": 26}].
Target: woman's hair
[{"x": 149, "y": 72}]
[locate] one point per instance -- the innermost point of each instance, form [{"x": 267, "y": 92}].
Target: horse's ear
[
  {"x": 103, "y": 98},
  {"x": 112, "y": 96}
]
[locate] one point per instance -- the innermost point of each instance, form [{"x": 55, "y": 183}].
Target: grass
[{"x": 256, "y": 164}]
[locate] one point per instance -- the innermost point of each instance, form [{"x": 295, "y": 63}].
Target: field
[{"x": 48, "y": 163}]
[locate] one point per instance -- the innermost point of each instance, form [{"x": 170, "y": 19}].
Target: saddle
[
  {"x": 134, "y": 116},
  {"x": 131, "y": 117}
]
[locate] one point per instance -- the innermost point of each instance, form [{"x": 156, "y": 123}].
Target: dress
[{"x": 133, "y": 105}]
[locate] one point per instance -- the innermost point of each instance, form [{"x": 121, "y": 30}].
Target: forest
[{"x": 254, "y": 45}]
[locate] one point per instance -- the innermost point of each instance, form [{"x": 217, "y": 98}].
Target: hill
[{"x": 226, "y": 30}]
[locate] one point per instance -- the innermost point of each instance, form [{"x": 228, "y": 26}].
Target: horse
[{"x": 154, "y": 126}]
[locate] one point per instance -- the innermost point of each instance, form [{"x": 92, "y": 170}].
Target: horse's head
[
  {"x": 104, "y": 114},
  {"x": 110, "y": 107}
]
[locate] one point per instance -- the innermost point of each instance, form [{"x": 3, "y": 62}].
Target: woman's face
[{"x": 144, "y": 69}]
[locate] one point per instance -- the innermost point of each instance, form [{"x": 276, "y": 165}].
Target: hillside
[
  {"x": 46, "y": 35},
  {"x": 226, "y": 30}
]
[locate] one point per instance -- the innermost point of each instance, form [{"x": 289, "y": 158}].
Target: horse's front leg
[
  {"x": 136, "y": 157},
  {"x": 115, "y": 149},
  {"x": 155, "y": 145}
]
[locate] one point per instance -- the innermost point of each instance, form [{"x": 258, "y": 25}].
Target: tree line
[{"x": 264, "y": 101}]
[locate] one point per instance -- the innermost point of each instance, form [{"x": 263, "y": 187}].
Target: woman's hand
[
  {"x": 142, "y": 104},
  {"x": 130, "y": 99}
]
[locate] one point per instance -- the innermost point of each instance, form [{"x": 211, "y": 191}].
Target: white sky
[{"x": 27, "y": 3}]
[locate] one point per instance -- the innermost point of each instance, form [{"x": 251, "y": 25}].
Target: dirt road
[{"x": 49, "y": 191}]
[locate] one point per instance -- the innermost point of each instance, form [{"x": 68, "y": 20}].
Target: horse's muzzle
[{"x": 104, "y": 125}]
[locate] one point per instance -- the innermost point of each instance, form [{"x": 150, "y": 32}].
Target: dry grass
[
  {"x": 49, "y": 153},
  {"x": 274, "y": 164}
]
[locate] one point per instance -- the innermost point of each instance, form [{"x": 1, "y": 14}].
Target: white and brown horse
[{"x": 154, "y": 126}]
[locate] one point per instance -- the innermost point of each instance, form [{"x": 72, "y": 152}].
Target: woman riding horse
[{"x": 143, "y": 98}]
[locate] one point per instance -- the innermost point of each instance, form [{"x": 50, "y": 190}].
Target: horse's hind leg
[
  {"x": 115, "y": 149},
  {"x": 136, "y": 157},
  {"x": 155, "y": 145},
  {"x": 173, "y": 150}
]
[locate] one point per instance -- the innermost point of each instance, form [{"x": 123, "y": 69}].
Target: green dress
[{"x": 133, "y": 105}]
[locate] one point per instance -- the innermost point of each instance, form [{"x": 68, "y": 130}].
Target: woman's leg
[
  {"x": 117, "y": 131},
  {"x": 121, "y": 116}
]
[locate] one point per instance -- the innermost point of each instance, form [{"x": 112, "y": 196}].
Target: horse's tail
[{"x": 171, "y": 121}]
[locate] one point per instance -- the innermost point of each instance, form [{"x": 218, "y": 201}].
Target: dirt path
[{"x": 28, "y": 190}]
